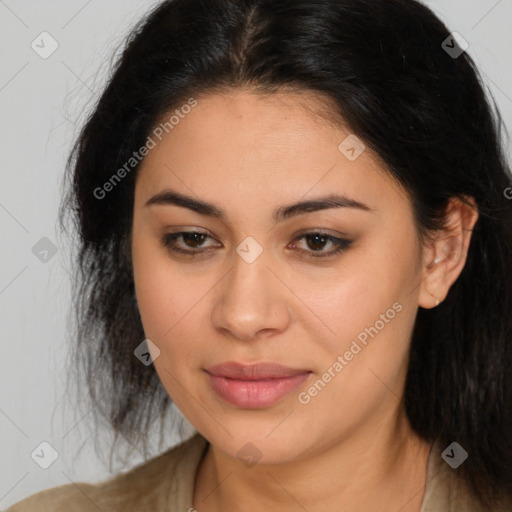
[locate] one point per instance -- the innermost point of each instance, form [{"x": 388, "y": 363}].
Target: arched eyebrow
[{"x": 171, "y": 197}]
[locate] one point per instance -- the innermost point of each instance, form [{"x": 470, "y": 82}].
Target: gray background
[{"x": 43, "y": 103}]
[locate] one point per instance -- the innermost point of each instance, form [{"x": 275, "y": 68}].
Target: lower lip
[{"x": 255, "y": 394}]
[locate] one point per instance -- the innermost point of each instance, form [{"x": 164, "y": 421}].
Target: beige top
[{"x": 166, "y": 483}]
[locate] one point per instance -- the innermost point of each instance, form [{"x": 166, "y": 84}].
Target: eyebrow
[{"x": 171, "y": 197}]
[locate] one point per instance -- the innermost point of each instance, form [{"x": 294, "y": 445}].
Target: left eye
[{"x": 316, "y": 241}]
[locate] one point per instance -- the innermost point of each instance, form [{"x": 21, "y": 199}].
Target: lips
[
  {"x": 254, "y": 386},
  {"x": 239, "y": 371}
]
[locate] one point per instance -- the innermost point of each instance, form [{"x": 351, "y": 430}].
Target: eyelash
[{"x": 169, "y": 239}]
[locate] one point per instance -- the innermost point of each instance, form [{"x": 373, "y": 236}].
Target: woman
[{"x": 294, "y": 225}]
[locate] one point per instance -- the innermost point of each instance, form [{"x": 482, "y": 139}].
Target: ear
[{"x": 445, "y": 256}]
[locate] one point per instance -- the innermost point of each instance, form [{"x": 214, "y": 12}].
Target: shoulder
[
  {"x": 69, "y": 497},
  {"x": 445, "y": 491},
  {"x": 148, "y": 486}
]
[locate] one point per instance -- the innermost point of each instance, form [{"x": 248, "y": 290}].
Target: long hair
[{"x": 388, "y": 73}]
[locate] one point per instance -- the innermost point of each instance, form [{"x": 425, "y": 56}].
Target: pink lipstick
[{"x": 254, "y": 386}]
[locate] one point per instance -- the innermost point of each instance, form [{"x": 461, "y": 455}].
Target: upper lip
[{"x": 240, "y": 371}]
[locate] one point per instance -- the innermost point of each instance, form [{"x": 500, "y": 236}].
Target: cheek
[
  {"x": 372, "y": 312},
  {"x": 166, "y": 299},
  {"x": 156, "y": 288},
  {"x": 357, "y": 299},
  {"x": 171, "y": 300}
]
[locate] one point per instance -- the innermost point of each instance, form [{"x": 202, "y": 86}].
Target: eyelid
[
  {"x": 340, "y": 243},
  {"x": 321, "y": 231},
  {"x": 167, "y": 238}
]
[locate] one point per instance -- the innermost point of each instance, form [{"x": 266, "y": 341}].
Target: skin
[{"x": 249, "y": 154}]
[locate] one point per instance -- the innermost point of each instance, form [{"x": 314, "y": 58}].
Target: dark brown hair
[{"x": 422, "y": 110}]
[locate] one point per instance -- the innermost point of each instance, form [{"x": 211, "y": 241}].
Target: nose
[{"x": 251, "y": 302}]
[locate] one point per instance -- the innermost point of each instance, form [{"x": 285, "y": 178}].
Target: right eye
[{"x": 189, "y": 239}]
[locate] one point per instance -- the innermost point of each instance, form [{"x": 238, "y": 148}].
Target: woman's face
[{"x": 262, "y": 283}]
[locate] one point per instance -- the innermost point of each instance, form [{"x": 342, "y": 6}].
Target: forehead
[{"x": 252, "y": 147}]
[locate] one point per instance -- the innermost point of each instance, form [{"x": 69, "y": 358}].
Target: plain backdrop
[{"x": 43, "y": 102}]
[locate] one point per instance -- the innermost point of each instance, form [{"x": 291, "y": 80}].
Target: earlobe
[
  {"x": 431, "y": 285},
  {"x": 446, "y": 255},
  {"x": 436, "y": 298}
]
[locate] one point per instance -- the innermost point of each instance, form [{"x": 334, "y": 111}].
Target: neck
[{"x": 385, "y": 464}]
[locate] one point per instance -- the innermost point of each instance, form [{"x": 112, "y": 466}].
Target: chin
[{"x": 266, "y": 445}]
